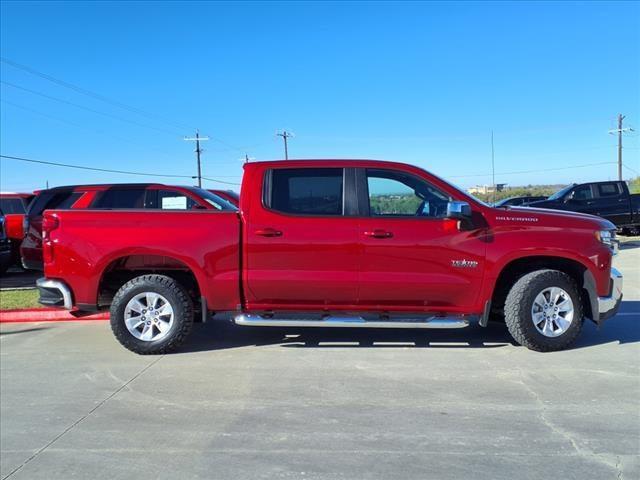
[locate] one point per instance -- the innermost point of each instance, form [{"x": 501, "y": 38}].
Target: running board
[{"x": 252, "y": 320}]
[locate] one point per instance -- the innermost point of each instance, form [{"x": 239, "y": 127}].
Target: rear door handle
[
  {"x": 378, "y": 233},
  {"x": 269, "y": 232}
]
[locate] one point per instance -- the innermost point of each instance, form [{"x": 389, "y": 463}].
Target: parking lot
[{"x": 237, "y": 403}]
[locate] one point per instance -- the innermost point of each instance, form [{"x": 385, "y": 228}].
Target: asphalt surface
[{"x": 254, "y": 404}]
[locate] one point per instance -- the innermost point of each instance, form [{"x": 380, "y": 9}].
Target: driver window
[
  {"x": 395, "y": 194},
  {"x": 581, "y": 193}
]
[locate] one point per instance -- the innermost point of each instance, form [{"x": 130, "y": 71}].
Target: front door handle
[
  {"x": 378, "y": 233},
  {"x": 269, "y": 232}
]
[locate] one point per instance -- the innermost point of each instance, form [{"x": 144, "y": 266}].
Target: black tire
[
  {"x": 180, "y": 303},
  {"x": 519, "y": 302}
]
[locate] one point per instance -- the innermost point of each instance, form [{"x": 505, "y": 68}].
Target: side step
[{"x": 247, "y": 319}]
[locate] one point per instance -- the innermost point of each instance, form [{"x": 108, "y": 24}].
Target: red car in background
[
  {"x": 14, "y": 206},
  {"x": 110, "y": 197},
  {"x": 229, "y": 195}
]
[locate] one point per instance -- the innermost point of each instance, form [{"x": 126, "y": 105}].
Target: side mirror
[{"x": 459, "y": 210}]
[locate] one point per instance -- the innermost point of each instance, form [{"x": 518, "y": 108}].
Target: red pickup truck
[{"x": 335, "y": 243}]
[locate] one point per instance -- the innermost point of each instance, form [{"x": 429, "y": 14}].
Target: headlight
[{"x": 608, "y": 237}]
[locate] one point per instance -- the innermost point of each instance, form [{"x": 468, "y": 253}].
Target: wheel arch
[
  {"x": 512, "y": 270},
  {"x": 123, "y": 266}
]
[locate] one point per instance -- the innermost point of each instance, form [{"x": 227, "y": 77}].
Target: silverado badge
[{"x": 464, "y": 263}]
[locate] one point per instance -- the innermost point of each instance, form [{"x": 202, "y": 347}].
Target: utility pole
[
  {"x": 198, "y": 151},
  {"x": 620, "y": 131},
  {"x": 285, "y": 135}
]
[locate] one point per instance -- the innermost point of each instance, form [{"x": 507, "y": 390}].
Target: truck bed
[{"x": 108, "y": 240}]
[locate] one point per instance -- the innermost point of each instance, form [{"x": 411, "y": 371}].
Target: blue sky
[{"x": 423, "y": 83}]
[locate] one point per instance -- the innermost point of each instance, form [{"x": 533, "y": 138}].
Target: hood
[{"x": 551, "y": 218}]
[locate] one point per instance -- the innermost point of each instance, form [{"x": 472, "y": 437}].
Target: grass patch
[{"x": 19, "y": 299}]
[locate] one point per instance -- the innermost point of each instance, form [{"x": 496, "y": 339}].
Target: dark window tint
[
  {"x": 582, "y": 193},
  {"x": 307, "y": 191},
  {"x": 120, "y": 198},
  {"x": 609, "y": 189},
  {"x": 396, "y": 194},
  {"x": 62, "y": 201},
  {"x": 212, "y": 199},
  {"x": 11, "y": 205}
]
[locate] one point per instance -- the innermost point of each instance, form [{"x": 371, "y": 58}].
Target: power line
[
  {"x": 102, "y": 98},
  {"x": 107, "y": 170},
  {"x": 88, "y": 93},
  {"x": 68, "y": 122},
  {"x": 50, "y": 97},
  {"x": 531, "y": 171},
  {"x": 88, "y": 129}
]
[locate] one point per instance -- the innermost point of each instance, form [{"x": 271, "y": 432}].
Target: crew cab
[
  {"x": 610, "y": 200},
  {"x": 334, "y": 243},
  {"x": 112, "y": 197}
]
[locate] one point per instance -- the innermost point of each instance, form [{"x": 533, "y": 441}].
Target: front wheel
[
  {"x": 543, "y": 311},
  {"x": 151, "y": 314}
]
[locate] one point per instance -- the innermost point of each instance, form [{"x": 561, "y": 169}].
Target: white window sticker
[{"x": 174, "y": 203}]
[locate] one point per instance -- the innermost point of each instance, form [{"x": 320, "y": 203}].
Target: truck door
[
  {"x": 301, "y": 244},
  {"x": 612, "y": 203},
  {"x": 580, "y": 199},
  {"x": 414, "y": 257}
]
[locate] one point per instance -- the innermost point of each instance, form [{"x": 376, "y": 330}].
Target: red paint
[
  {"x": 31, "y": 249},
  {"x": 26, "y": 315},
  {"x": 293, "y": 262}
]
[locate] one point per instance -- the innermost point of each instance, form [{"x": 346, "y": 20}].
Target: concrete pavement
[{"x": 238, "y": 403}]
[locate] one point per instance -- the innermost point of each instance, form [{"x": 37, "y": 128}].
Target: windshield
[
  {"x": 503, "y": 202},
  {"x": 560, "y": 193},
  {"x": 461, "y": 190},
  {"x": 212, "y": 199}
]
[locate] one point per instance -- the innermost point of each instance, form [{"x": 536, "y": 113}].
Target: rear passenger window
[
  {"x": 608, "y": 190},
  {"x": 120, "y": 198},
  {"x": 61, "y": 201},
  {"x": 306, "y": 191}
]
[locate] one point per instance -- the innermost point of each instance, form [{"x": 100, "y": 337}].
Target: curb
[{"x": 46, "y": 315}]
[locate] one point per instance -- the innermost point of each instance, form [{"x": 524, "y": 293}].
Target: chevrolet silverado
[{"x": 334, "y": 243}]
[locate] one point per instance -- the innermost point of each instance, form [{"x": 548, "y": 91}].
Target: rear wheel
[
  {"x": 543, "y": 311},
  {"x": 151, "y": 314}
]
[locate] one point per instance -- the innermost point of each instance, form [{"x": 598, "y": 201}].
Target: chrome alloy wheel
[
  {"x": 148, "y": 316},
  {"x": 552, "y": 312}
]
